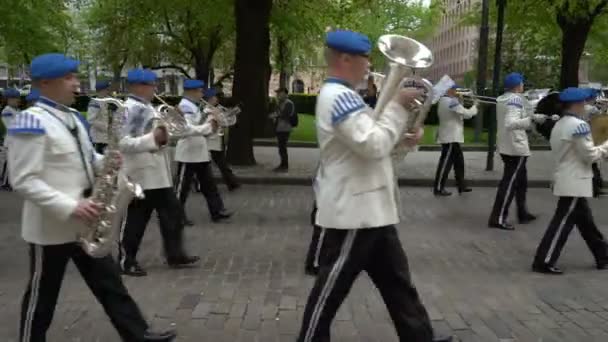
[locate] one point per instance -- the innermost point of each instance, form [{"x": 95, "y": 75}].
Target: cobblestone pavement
[
  {"x": 250, "y": 286},
  {"x": 417, "y": 166}
]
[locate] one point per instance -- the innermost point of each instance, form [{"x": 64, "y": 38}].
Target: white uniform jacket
[
  {"x": 214, "y": 141},
  {"x": 8, "y": 113},
  {"x": 512, "y": 121},
  {"x": 46, "y": 168},
  {"x": 193, "y": 148},
  {"x": 451, "y": 120},
  {"x": 574, "y": 152},
  {"x": 355, "y": 185},
  {"x": 99, "y": 123},
  {"x": 144, "y": 162}
]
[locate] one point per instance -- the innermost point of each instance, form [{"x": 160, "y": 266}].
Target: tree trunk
[
  {"x": 201, "y": 67},
  {"x": 283, "y": 55},
  {"x": 250, "y": 87},
  {"x": 574, "y": 36}
]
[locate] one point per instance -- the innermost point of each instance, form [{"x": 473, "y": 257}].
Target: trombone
[{"x": 477, "y": 98}]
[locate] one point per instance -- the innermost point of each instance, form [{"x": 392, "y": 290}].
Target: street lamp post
[
  {"x": 500, "y": 23},
  {"x": 482, "y": 62}
]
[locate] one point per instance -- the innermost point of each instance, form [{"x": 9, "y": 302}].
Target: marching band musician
[
  {"x": 513, "y": 119},
  {"x": 99, "y": 124},
  {"x": 147, "y": 163},
  {"x": 13, "y": 98},
  {"x": 52, "y": 165},
  {"x": 356, "y": 198},
  {"x": 216, "y": 146},
  {"x": 574, "y": 152},
  {"x": 450, "y": 135},
  {"x": 193, "y": 155}
]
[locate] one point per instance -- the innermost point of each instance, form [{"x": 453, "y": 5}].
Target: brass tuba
[
  {"x": 405, "y": 55},
  {"x": 170, "y": 118},
  {"x": 112, "y": 190}
]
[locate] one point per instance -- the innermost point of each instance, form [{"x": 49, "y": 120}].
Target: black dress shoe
[
  {"x": 503, "y": 226},
  {"x": 311, "y": 271},
  {"x": 443, "y": 339},
  {"x": 161, "y": 336},
  {"x": 233, "y": 187},
  {"x": 601, "y": 265},
  {"x": 183, "y": 261},
  {"x": 281, "y": 169},
  {"x": 526, "y": 218},
  {"x": 222, "y": 215},
  {"x": 460, "y": 191},
  {"x": 133, "y": 269},
  {"x": 546, "y": 269},
  {"x": 442, "y": 193}
]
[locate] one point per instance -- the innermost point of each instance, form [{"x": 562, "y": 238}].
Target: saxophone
[{"x": 112, "y": 190}]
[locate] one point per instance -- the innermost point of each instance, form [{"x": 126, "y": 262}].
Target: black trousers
[
  {"x": 377, "y": 251},
  {"x": 100, "y": 147},
  {"x": 47, "y": 269},
  {"x": 598, "y": 182},
  {"x": 185, "y": 173},
  {"x": 219, "y": 158},
  {"x": 570, "y": 212},
  {"x": 514, "y": 183},
  {"x": 451, "y": 157},
  {"x": 282, "y": 139},
  {"x": 4, "y": 181},
  {"x": 316, "y": 243},
  {"x": 171, "y": 224}
]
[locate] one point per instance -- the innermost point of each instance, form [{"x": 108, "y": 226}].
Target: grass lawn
[{"x": 305, "y": 132}]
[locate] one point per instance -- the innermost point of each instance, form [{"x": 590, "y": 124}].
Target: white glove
[
  {"x": 555, "y": 117},
  {"x": 540, "y": 118}
]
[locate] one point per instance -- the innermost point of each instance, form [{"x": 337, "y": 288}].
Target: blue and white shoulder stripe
[
  {"x": 516, "y": 101},
  {"x": 7, "y": 112},
  {"x": 581, "y": 130},
  {"x": 26, "y": 123},
  {"x": 345, "y": 103}
]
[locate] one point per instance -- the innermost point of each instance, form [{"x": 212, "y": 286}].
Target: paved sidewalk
[
  {"x": 475, "y": 282},
  {"x": 418, "y": 169}
]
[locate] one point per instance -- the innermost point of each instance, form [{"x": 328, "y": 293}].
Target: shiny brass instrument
[
  {"x": 405, "y": 56},
  {"x": 225, "y": 117},
  {"x": 111, "y": 190},
  {"x": 171, "y": 119}
]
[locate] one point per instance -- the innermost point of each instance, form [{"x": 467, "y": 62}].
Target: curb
[
  {"x": 465, "y": 148},
  {"x": 409, "y": 182}
]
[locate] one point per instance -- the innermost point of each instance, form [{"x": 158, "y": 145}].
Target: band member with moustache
[
  {"x": 450, "y": 135},
  {"x": 146, "y": 162},
  {"x": 192, "y": 153},
  {"x": 513, "y": 118},
  {"x": 53, "y": 165},
  {"x": 13, "y": 100},
  {"x": 217, "y": 147},
  {"x": 99, "y": 124},
  {"x": 356, "y": 197},
  {"x": 574, "y": 152}
]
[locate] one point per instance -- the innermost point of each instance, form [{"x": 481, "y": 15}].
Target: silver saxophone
[{"x": 112, "y": 191}]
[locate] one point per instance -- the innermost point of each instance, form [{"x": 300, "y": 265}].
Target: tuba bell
[{"x": 405, "y": 56}]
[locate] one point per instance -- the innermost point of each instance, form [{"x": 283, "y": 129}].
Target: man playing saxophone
[
  {"x": 53, "y": 165},
  {"x": 356, "y": 197},
  {"x": 147, "y": 163}
]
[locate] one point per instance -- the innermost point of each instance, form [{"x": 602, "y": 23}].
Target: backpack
[{"x": 294, "y": 120}]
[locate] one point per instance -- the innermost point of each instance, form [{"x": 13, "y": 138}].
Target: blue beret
[
  {"x": 52, "y": 65},
  {"x": 455, "y": 86},
  {"x": 101, "y": 85},
  {"x": 513, "y": 79},
  {"x": 572, "y": 94},
  {"x": 33, "y": 95},
  {"x": 211, "y": 92},
  {"x": 591, "y": 93},
  {"x": 11, "y": 93},
  {"x": 141, "y": 76},
  {"x": 349, "y": 42},
  {"x": 193, "y": 84}
]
